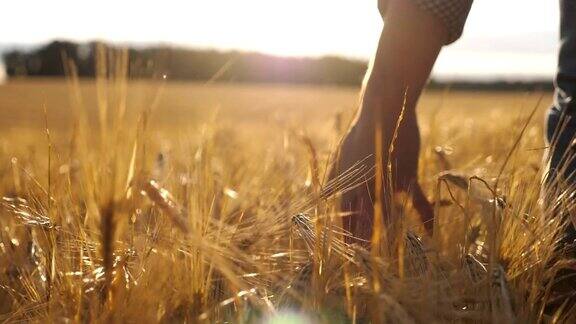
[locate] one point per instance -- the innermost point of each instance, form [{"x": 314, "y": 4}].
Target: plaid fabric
[{"x": 453, "y": 14}]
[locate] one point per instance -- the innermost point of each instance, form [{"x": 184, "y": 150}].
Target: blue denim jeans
[{"x": 561, "y": 119}]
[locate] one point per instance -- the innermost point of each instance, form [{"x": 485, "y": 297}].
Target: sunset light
[
  {"x": 289, "y": 28},
  {"x": 288, "y": 161}
]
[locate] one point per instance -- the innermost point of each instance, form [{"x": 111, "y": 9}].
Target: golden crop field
[{"x": 155, "y": 201}]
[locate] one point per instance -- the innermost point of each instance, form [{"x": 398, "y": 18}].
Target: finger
[
  {"x": 423, "y": 207},
  {"x": 358, "y": 221},
  {"x": 364, "y": 220},
  {"x": 349, "y": 207}
]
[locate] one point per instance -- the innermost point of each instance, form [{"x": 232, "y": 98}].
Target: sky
[{"x": 503, "y": 38}]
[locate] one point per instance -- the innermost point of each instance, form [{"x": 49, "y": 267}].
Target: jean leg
[
  {"x": 565, "y": 82},
  {"x": 563, "y": 111},
  {"x": 564, "y": 107},
  {"x": 562, "y": 155}
]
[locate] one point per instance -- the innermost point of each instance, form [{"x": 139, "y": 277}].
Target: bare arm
[{"x": 408, "y": 47}]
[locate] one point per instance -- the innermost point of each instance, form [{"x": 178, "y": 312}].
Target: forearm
[{"x": 408, "y": 47}]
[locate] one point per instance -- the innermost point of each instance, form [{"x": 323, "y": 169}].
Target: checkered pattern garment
[{"x": 452, "y": 13}]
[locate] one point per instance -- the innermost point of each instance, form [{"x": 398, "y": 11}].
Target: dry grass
[{"x": 180, "y": 202}]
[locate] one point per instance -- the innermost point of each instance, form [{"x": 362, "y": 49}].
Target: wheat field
[{"x": 156, "y": 201}]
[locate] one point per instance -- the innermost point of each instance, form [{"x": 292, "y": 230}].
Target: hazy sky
[{"x": 503, "y": 37}]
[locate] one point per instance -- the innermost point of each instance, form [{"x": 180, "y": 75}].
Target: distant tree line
[
  {"x": 209, "y": 65},
  {"x": 188, "y": 64}
]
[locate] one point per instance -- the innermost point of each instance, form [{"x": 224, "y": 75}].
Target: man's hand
[
  {"x": 359, "y": 145},
  {"x": 409, "y": 45}
]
